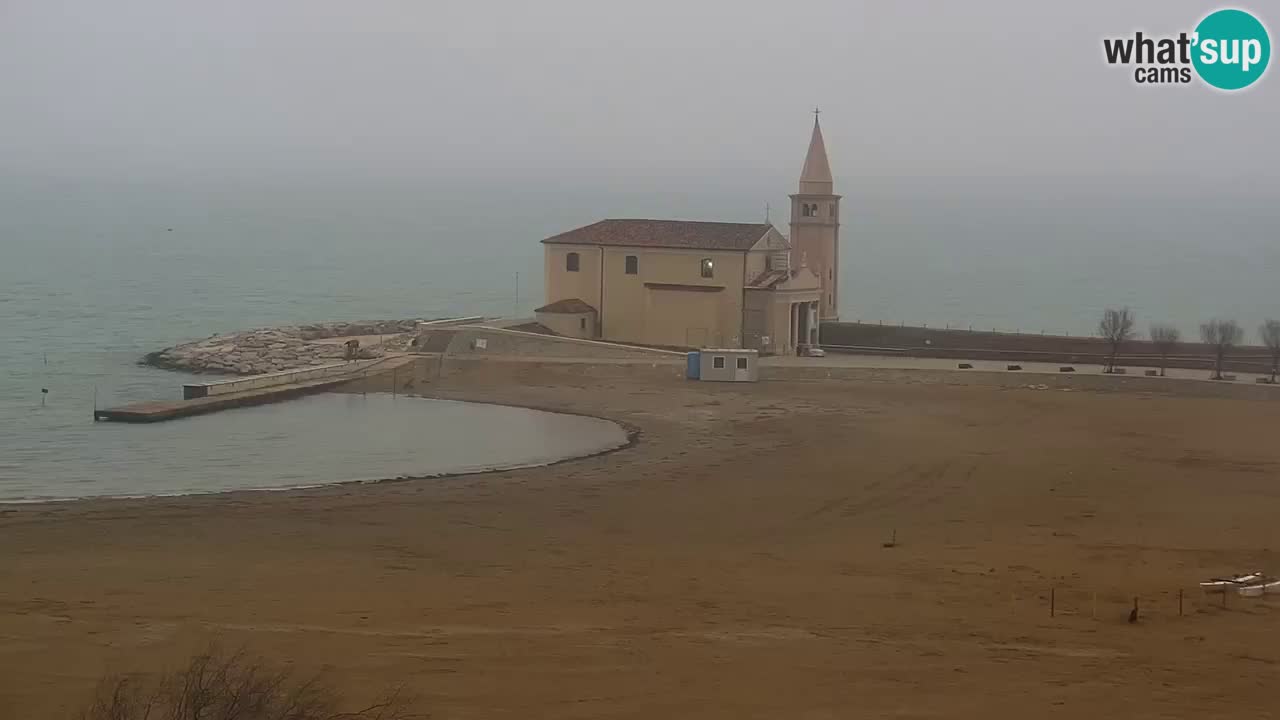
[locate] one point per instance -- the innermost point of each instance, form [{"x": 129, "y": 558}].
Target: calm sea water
[
  {"x": 313, "y": 440},
  {"x": 93, "y": 274}
]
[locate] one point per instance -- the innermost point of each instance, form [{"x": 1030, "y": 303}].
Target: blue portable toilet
[{"x": 693, "y": 366}]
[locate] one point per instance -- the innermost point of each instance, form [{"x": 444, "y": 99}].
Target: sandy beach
[{"x": 729, "y": 564}]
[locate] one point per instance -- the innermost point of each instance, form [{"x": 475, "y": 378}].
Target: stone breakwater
[{"x": 265, "y": 350}]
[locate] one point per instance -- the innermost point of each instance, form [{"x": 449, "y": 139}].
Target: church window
[
  {"x": 804, "y": 209},
  {"x": 708, "y": 268},
  {"x": 832, "y": 208},
  {"x": 742, "y": 363},
  {"x": 582, "y": 323},
  {"x": 717, "y": 362},
  {"x": 571, "y": 262},
  {"x": 633, "y": 265},
  {"x": 831, "y": 274}
]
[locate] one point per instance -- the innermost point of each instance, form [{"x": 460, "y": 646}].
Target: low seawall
[
  {"x": 191, "y": 391},
  {"x": 869, "y": 339},
  {"x": 445, "y": 373},
  {"x": 1136, "y": 384},
  {"x": 480, "y": 341}
]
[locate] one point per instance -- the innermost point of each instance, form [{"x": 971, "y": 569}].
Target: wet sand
[{"x": 730, "y": 564}]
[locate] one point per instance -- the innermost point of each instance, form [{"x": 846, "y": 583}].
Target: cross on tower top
[{"x": 816, "y": 112}]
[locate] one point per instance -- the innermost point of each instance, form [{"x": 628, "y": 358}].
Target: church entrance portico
[
  {"x": 783, "y": 315},
  {"x": 804, "y": 325}
]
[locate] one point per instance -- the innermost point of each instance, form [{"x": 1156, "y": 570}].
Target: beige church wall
[
  {"x": 757, "y": 262},
  {"x": 683, "y": 318},
  {"x": 634, "y": 312},
  {"x": 561, "y": 284},
  {"x": 771, "y": 312},
  {"x": 758, "y": 256},
  {"x": 623, "y": 319},
  {"x": 757, "y": 320},
  {"x": 780, "y": 326}
]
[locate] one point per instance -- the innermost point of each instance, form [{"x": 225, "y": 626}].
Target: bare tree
[
  {"x": 1115, "y": 327},
  {"x": 1270, "y": 334},
  {"x": 1222, "y": 336},
  {"x": 1165, "y": 338},
  {"x": 219, "y": 686}
]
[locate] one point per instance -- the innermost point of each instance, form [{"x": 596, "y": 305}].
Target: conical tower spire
[
  {"x": 815, "y": 223},
  {"x": 815, "y": 178}
]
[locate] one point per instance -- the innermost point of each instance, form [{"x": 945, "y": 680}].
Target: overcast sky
[{"x": 480, "y": 89}]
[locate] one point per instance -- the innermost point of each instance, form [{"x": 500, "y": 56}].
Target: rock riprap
[{"x": 265, "y": 350}]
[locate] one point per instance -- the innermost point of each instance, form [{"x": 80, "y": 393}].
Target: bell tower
[{"x": 815, "y": 223}]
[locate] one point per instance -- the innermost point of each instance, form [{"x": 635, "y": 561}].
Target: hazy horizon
[
  {"x": 570, "y": 89},
  {"x": 995, "y": 169}
]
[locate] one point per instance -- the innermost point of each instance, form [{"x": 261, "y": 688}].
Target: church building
[{"x": 692, "y": 284}]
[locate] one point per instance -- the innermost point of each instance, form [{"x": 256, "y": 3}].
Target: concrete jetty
[{"x": 210, "y": 397}]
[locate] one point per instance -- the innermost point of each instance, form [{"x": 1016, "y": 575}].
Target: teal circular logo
[{"x": 1232, "y": 49}]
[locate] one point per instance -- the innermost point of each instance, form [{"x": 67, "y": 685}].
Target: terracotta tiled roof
[
  {"x": 769, "y": 278},
  {"x": 572, "y": 306},
  {"x": 666, "y": 234},
  {"x": 533, "y": 327}
]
